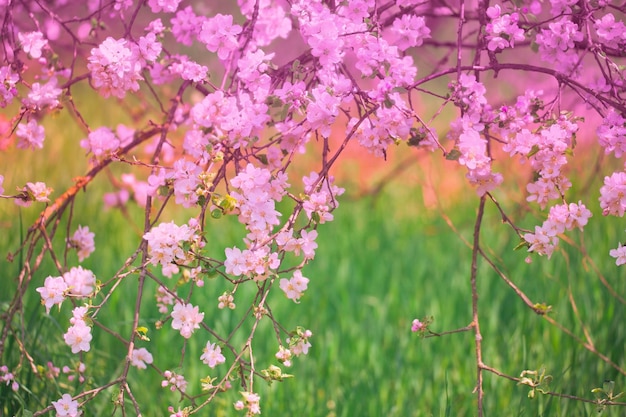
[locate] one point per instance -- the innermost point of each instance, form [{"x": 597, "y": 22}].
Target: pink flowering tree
[{"x": 232, "y": 98}]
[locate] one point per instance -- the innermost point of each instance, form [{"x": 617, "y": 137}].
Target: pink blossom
[
  {"x": 409, "y": 31},
  {"x": 613, "y": 194},
  {"x": 66, "y": 407},
  {"x": 101, "y": 142},
  {"x": 620, "y": 254},
  {"x": 8, "y": 80},
  {"x": 612, "y": 133},
  {"x": 117, "y": 199},
  {"x": 301, "y": 345},
  {"x": 226, "y": 300},
  {"x": 556, "y": 44},
  {"x": 326, "y": 45},
  {"x": 31, "y": 135},
  {"x": 167, "y": 6},
  {"x": 272, "y": 22},
  {"x": 252, "y": 64},
  {"x": 186, "y": 25},
  {"x": 37, "y": 191},
  {"x": 78, "y": 337},
  {"x": 219, "y": 34},
  {"x": 115, "y": 67},
  {"x": 1, "y": 182},
  {"x": 53, "y": 292},
  {"x": 149, "y": 47},
  {"x": 43, "y": 95},
  {"x": 83, "y": 241},
  {"x": 189, "y": 70},
  {"x": 284, "y": 356},
  {"x": 164, "y": 243},
  {"x": 294, "y": 287},
  {"x": 322, "y": 110},
  {"x": 251, "y": 402},
  {"x": 186, "y": 318},
  {"x": 212, "y": 355},
  {"x": 140, "y": 357},
  {"x": 8, "y": 378},
  {"x": 502, "y": 30},
  {"x": 561, "y": 6},
  {"x": 306, "y": 243},
  {"x": 417, "y": 325},
  {"x": 546, "y": 189},
  {"x": 484, "y": 180},
  {"x": 32, "y": 43},
  {"x": 164, "y": 299},
  {"x": 81, "y": 282},
  {"x": 541, "y": 242},
  {"x": 174, "y": 381},
  {"x": 235, "y": 263},
  {"x": 610, "y": 32}
]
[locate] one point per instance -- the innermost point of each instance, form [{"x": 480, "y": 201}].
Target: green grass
[{"x": 376, "y": 269}]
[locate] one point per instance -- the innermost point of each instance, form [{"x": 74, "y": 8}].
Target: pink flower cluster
[
  {"x": 186, "y": 318},
  {"x": 31, "y": 135},
  {"x": 219, "y": 34},
  {"x": 409, "y": 31},
  {"x": 610, "y": 32},
  {"x": 502, "y": 30},
  {"x": 77, "y": 282},
  {"x": 164, "y": 245},
  {"x": 251, "y": 402},
  {"x": 299, "y": 343},
  {"x": 547, "y": 152},
  {"x": 32, "y": 43},
  {"x": 164, "y": 299},
  {"x": 8, "y": 378},
  {"x": 556, "y": 45},
  {"x": 294, "y": 287},
  {"x": 78, "y": 336},
  {"x": 8, "y": 82},
  {"x": 562, "y": 217},
  {"x": 613, "y": 195},
  {"x": 174, "y": 381},
  {"x": 322, "y": 197},
  {"x": 42, "y": 96},
  {"x": 612, "y": 133},
  {"x": 115, "y": 67},
  {"x": 469, "y": 95}
]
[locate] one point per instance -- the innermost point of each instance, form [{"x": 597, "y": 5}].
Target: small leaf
[
  {"x": 522, "y": 244},
  {"x": 453, "y": 155},
  {"x": 533, "y": 151}
]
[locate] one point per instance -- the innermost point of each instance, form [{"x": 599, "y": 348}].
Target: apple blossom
[{"x": 66, "y": 407}]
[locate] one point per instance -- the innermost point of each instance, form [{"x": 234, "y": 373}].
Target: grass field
[{"x": 383, "y": 262}]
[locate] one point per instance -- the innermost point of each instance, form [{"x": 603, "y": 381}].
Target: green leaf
[
  {"x": 453, "y": 155},
  {"x": 533, "y": 151},
  {"x": 542, "y": 308},
  {"x": 216, "y": 213},
  {"x": 522, "y": 244}
]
